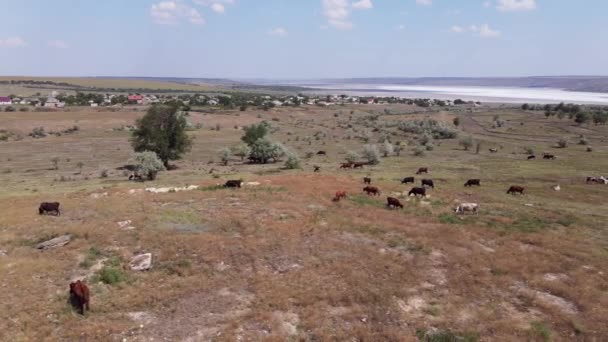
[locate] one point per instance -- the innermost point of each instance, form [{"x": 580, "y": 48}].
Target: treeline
[{"x": 580, "y": 114}]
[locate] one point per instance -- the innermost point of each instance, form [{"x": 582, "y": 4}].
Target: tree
[
  {"x": 352, "y": 156},
  {"x": 240, "y": 150},
  {"x": 224, "y": 154},
  {"x": 466, "y": 143},
  {"x": 562, "y": 142},
  {"x": 163, "y": 131},
  {"x": 371, "y": 153},
  {"x": 264, "y": 150},
  {"x": 79, "y": 165},
  {"x": 147, "y": 164},
  {"x": 525, "y": 106},
  {"x": 255, "y": 132},
  {"x": 456, "y": 121},
  {"x": 581, "y": 118}
]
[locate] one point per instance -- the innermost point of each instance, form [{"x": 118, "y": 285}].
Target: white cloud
[
  {"x": 13, "y": 42},
  {"x": 516, "y": 5},
  {"x": 424, "y": 2},
  {"x": 457, "y": 29},
  {"x": 278, "y": 32},
  {"x": 363, "y": 4},
  {"x": 57, "y": 44},
  {"x": 172, "y": 12},
  {"x": 217, "y": 6},
  {"x": 338, "y": 12},
  {"x": 483, "y": 31}
]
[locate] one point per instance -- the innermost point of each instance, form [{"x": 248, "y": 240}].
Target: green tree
[
  {"x": 240, "y": 150},
  {"x": 264, "y": 150},
  {"x": 224, "y": 154},
  {"x": 293, "y": 161},
  {"x": 466, "y": 143},
  {"x": 352, "y": 156},
  {"x": 581, "y": 118},
  {"x": 255, "y": 132},
  {"x": 163, "y": 131},
  {"x": 371, "y": 153}
]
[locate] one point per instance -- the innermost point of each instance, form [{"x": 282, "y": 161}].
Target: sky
[{"x": 303, "y": 39}]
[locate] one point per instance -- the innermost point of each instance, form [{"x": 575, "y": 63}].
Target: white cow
[{"x": 467, "y": 207}]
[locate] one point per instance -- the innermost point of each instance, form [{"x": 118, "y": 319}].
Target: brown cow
[
  {"x": 49, "y": 207},
  {"x": 428, "y": 182},
  {"x": 515, "y": 189},
  {"x": 317, "y": 168},
  {"x": 372, "y": 190},
  {"x": 358, "y": 165},
  {"x": 417, "y": 191},
  {"x": 422, "y": 170},
  {"x": 472, "y": 182},
  {"x": 79, "y": 296},
  {"x": 339, "y": 195},
  {"x": 393, "y": 203},
  {"x": 367, "y": 180},
  {"x": 346, "y": 165}
]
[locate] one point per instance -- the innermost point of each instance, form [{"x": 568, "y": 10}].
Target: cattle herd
[{"x": 79, "y": 292}]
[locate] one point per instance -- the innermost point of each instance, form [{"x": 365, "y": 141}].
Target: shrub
[
  {"x": 352, "y": 156},
  {"x": 583, "y": 141},
  {"x": 371, "y": 154},
  {"x": 224, "y": 154},
  {"x": 264, "y": 150},
  {"x": 147, "y": 164},
  {"x": 240, "y": 150},
  {"x": 55, "y": 161},
  {"x": 110, "y": 275},
  {"x": 255, "y": 132},
  {"x": 589, "y": 149},
  {"x": 38, "y": 132},
  {"x": 434, "y": 128},
  {"x": 562, "y": 143},
  {"x": 419, "y": 151},
  {"x": 387, "y": 148},
  {"x": 293, "y": 161},
  {"x": 79, "y": 165},
  {"x": 529, "y": 150},
  {"x": 466, "y": 143},
  {"x": 456, "y": 121},
  {"x": 104, "y": 173},
  {"x": 9, "y": 109},
  {"x": 24, "y": 109},
  {"x": 429, "y": 147}
]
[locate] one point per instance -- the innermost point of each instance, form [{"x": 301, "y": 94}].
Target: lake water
[{"x": 483, "y": 94}]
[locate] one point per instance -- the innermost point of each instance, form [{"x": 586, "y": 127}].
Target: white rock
[
  {"x": 141, "y": 262},
  {"x": 252, "y": 183},
  {"x": 123, "y": 224},
  {"x": 99, "y": 195}
]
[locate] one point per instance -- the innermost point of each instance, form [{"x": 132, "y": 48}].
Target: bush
[
  {"x": 387, "y": 148},
  {"x": 589, "y": 149},
  {"x": 240, "y": 150},
  {"x": 24, "y": 109},
  {"x": 434, "y": 128},
  {"x": 110, "y": 275},
  {"x": 224, "y": 154},
  {"x": 466, "y": 143},
  {"x": 456, "y": 121},
  {"x": 529, "y": 150},
  {"x": 38, "y": 132},
  {"x": 55, "y": 161},
  {"x": 371, "y": 154},
  {"x": 352, "y": 156},
  {"x": 419, "y": 151},
  {"x": 293, "y": 161},
  {"x": 264, "y": 150},
  {"x": 147, "y": 164},
  {"x": 429, "y": 147},
  {"x": 562, "y": 143},
  {"x": 10, "y": 109},
  {"x": 583, "y": 141},
  {"x": 255, "y": 132},
  {"x": 104, "y": 173}
]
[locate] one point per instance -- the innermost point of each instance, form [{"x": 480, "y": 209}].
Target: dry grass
[{"x": 281, "y": 261}]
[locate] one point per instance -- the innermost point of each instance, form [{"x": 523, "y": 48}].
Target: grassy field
[{"x": 281, "y": 261}]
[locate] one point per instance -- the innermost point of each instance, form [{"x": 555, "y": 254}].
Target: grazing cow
[
  {"x": 472, "y": 182},
  {"x": 417, "y": 191},
  {"x": 393, "y": 203},
  {"x": 422, "y": 170},
  {"x": 515, "y": 189},
  {"x": 233, "y": 184},
  {"x": 530, "y": 157},
  {"x": 135, "y": 176},
  {"x": 317, "y": 168},
  {"x": 599, "y": 180},
  {"x": 556, "y": 188},
  {"x": 428, "y": 182},
  {"x": 407, "y": 180},
  {"x": 493, "y": 150},
  {"x": 548, "y": 156},
  {"x": 367, "y": 180},
  {"x": 321, "y": 153},
  {"x": 49, "y": 207},
  {"x": 372, "y": 190},
  {"x": 346, "y": 165},
  {"x": 339, "y": 195},
  {"x": 358, "y": 165},
  {"x": 467, "y": 207},
  {"x": 79, "y": 296}
]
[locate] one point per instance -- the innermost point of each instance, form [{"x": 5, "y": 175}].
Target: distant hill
[{"x": 572, "y": 83}]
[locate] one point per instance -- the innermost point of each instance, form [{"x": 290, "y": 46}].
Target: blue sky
[{"x": 303, "y": 38}]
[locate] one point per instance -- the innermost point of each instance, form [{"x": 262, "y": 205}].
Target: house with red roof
[
  {"x": 139, "y": 99},
  {"x": 5, "y": 100}
]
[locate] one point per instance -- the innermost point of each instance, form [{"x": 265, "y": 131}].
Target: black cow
[
  {"x": 233, "y": 184},
  {"x": 49, "y": 207},
  {"x": 422, "y": 170},
  {"x": 493, "y": 150},
  {"x": 393, "y": 203},
  {"x": 515, "y": 189},
  {"x": 531, "y": 157},
  {"x": 548, "y": 156},
  {"x": 372, "y": 190},
  {"x": 472, "y": 182},
  {"x": 367, "y": 180},
  {"x": 317, "y": 168},
  {"x": 417, "y": 191},
  {"x": 407, "y": 180},
  {"x": 428, "y": 182},
  {"x": 321, "y": 153}
]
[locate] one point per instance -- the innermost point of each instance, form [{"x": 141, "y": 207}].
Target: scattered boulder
[
  {"x": 141, "y": 262},
  {"x": 55, "y": 242},
  {"x": 99, "y": 195},
  {"x": 125, "y": 225}
]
